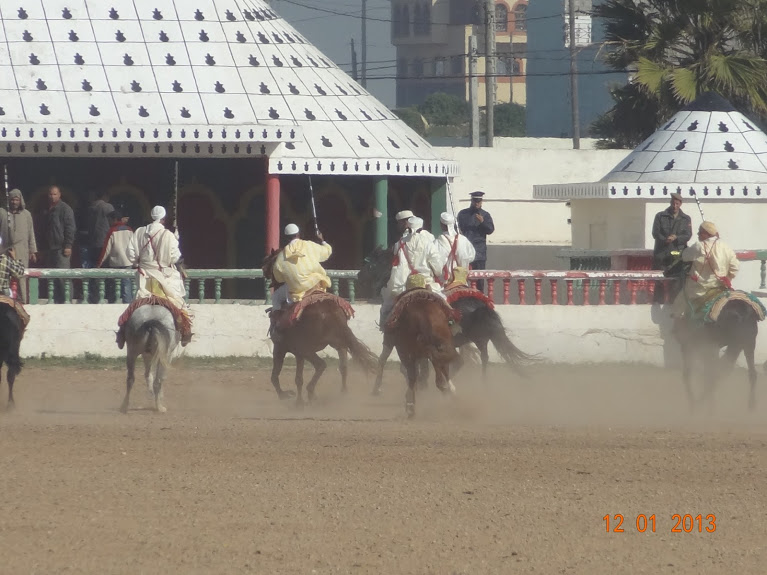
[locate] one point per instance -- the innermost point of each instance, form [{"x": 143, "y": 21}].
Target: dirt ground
[{"x": 511, "y": 476}]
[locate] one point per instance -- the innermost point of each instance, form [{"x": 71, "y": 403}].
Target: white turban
[
  {"x": 415, "y": 223},
  {"x": 158, "y": 213},
  {"x": 403, "y": 215},
  {"x": 291, "y": 230},
  {"x": 446, "y": 219},
  {"x": 709, "y": 227}
]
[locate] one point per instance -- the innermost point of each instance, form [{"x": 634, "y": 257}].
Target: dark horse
[
  {"x": 480, "y": 324},
  {"x": 321, "y": 324},
  {"x": 422, "y": 332},
  {"x": 11, "y": 333},
  {"x": 735, "y": 329}
]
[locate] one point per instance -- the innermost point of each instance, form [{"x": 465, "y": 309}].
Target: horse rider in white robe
[
  {"x": 414, "y": 255},
  {"x": 714, "y": 266},
  {"x": 455, "y": 252},
  {"x": 154, "y": 250}
]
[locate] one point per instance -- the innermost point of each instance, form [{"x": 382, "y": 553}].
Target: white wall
[
  {"x": 561, "y": 334},
  {"x": 507, "y": 174}
]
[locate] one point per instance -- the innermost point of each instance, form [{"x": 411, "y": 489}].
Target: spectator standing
[
  {"x": 59, "y": 235},
  {"x": 476, "y": 224},
  {"x": 23, "y": 235}
]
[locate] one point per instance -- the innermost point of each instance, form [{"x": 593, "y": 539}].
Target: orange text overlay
[{"x": 678, "y": 523}]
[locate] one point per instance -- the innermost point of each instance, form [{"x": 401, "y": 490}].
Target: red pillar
[{"x": 272, "y": 213}]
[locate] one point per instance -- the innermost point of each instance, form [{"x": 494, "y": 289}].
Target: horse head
[
  {"x": 267, "y": 266},
  {"x": 375, "y": 271}
]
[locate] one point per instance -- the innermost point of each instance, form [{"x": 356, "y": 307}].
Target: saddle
[
  {"x": 457, "y": 292},
  {"x": 288, "y": 316},
  {"x": 711, "y": 309},
  {"x": 17, "y": 305},
  {"x": 180, "y": 317},
  {"x": 414, "y": 296}
]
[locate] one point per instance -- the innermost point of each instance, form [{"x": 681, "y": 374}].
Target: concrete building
[
  {"x": 432, "y": 41},
  {"x": 549, "y": 113}
]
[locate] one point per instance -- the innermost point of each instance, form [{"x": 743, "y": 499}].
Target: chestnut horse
[
  {"x": 320, "y": 325},
  {"x": 422, "y": 332},
  {"x": 480, "y": 324}
]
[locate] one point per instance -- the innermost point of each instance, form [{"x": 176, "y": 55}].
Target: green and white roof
[
  {"x": 708, "y": 148},
  {"x": 213, "y": 78}
]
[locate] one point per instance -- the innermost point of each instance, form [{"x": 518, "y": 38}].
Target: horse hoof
[
  {"x": 11, "y": 406},
  {"x": 123, "y": 408},
  {"x": 286, "y": 395},
  {"x": 410, "y": 410},
  {"x": 161, "y": 409},
  {"x": 376, "y": 392}
]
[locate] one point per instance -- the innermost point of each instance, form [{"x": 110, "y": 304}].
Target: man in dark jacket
[
  {"x": 59, "y": 234},
  {"x": 476, "y": 224},
  {"x": 672, "y": 229}
]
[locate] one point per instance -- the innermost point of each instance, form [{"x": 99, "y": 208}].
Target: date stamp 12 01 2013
[{"x": 686, "y": 523}]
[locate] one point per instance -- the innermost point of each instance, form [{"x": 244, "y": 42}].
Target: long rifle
[
  {"x": 450, "y": 201},
  {"x": 314, "y": 207},
  {"x": 175, "y": 201},
  {"x": 697, "y": 201}
]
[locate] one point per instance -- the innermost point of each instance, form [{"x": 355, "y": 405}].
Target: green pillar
[
  {"x": 438, "y": 203},
  {"x": 382, "y": 206}
]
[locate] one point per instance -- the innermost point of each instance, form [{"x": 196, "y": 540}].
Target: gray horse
[{"x": 151, "y": 333}]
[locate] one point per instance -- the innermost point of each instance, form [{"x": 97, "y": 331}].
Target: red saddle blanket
[
  {"x": 460, "y": 292},
  {"x": 183, "y": 323},
  {"x": 16, "y": 304},
  {"x": 290, "y": 315},
  {"x": 414, "y": 296}
]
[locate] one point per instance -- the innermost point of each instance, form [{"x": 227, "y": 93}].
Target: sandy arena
[{"x": 514, "y": 477}]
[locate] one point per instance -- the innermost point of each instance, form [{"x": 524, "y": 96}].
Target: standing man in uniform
[
  {"x": 476, "y": 224},
  {"x": 672, "y": 229}
]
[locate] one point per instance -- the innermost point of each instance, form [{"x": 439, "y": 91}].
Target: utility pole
[
  {"x": 364, "y": 43},
  {"x": 354, "y": 62},
  {"x": 474, "y": 91},
  {"x": 574, "y": 80},
  {"x": 490, "y": 69}
]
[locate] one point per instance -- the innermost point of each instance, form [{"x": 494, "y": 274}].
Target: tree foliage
[
  {"x": 509, "y": 120},
  {"x": 445, "y": 110},
  {"x": 413, "y": 118},
  {"x": 676, "y": 50}
]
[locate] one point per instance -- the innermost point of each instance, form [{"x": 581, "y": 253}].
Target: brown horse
[
  {"x": 320, "y": 325},
  {"x": 422, "y": 332}
]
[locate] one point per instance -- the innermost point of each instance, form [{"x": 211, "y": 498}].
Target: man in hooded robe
[{"x": 23, "y": 234}]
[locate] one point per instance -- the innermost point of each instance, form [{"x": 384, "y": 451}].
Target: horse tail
[
  {"x": 157, "y": 343},
  {"x": 360, "y": 353},
  {"x": 509, "y": 352}
]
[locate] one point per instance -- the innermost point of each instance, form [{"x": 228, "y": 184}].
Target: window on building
[
  {"x": 404, "y": 28},
  {"x": 402, "y": 67},
  {"x": 439, "y": 67},
  {"x": 456, "y": 65},
  {"x": 501, "y": 18},
  {"x": 502, "y": 67},
  {"x": 427, "y": 17},
  {"x": 422, "y": 18},
  {"x": 418, "y": 68},
  {"x": 516, "y": 67},
  {"x": 520, "y": 17}
]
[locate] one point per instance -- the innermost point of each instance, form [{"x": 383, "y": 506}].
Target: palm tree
[{"x": 678, "y": 49}]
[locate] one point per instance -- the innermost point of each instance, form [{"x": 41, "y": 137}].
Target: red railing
[{"x": 607, "y": 287}]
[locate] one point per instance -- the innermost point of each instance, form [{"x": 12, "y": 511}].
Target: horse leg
[
  {"x": 158, "y": 393},
  {"x": 711, "y": 366},
  {"x": 412, "y": 373},
  {"x": 11, "y": 402},
  {"x": 687, "y": 374},
  {"x": 748, "y": 351},
  {"x": 131, "y": 365},
  {"x": 319, "y": 365},
  {"x": 343, "y": 367},
  {"x": 423, "y": 373},
  {"x": 385, "y": 353},
  {"x": 299, "y": 381},
  {"x": 278, "y": 359},
  {"x": 484, "y": 356},
  {"x": 149, "y": 376}
]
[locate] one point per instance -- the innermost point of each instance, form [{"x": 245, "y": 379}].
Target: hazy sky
[{"x": 332, "y": 34}]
